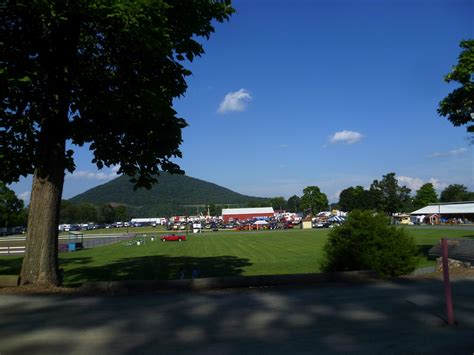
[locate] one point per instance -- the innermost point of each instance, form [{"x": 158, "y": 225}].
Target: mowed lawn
[{"x": 213, "y": 254}]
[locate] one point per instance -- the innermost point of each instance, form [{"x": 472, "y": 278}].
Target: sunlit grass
[{"x": 213, "y": 254}]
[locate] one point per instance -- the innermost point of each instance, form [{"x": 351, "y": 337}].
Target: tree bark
[{"x": 40, "y": 264}]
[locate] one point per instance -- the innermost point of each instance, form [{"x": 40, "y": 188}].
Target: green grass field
[{"x": 226, "y": 253}]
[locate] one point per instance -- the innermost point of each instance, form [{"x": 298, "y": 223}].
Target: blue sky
[{"x": 328, "y": 93}]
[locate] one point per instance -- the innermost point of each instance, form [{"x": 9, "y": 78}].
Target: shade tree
[
  {"x": 102, "y": 73},
  {"x": 313, "y": 200}
]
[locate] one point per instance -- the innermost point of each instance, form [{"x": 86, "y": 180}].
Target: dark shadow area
[
  {"x": 400, "y": 317},
  {"x": 156, "y": 267},
  {"x": 10, "y": 265},
  {"x": 423, "y": 251}
]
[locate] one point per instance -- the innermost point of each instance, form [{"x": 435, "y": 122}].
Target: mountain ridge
[{"x": 173, "y": 194}]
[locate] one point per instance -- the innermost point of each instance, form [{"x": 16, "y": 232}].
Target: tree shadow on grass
[
  {"x": 157, "y": 267},
  {"x": 423, "y": 251},
  {"x": 10, "y": 265}
]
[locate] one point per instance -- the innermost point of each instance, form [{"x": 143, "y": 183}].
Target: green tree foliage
[
  {"x": 97, "y": 72},
  {"x": 313, "y": 200},
  {"x": 104, "y": 73},
  {"x": 458, "y": 106},
  {"x": 106, "y": 214},
  {"x": 85, "y": 212},
  {"x": 354, "y": 198},
  {"x": 12, "y": 211},
  {"x": 294, "y": 204},
  {"x": 214, "y": 210},
  {"x": 258, "y": 203},
  {"x": 389, "y": 197},
  {"x": 121, "y": 213},
  {"x": 367, "y": 242},
  {"x": 278, "y": 203},
  {"x": 456, "y": 193},
  {"x": 424, "y": 196}
]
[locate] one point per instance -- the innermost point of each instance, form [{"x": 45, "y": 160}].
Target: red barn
[{"x": 247, "y": 213}]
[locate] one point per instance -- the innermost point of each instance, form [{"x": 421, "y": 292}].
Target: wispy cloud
[
  {"x": 91, "y": 175},
  {"x": 283, "y": 145},
  {"x": 235, "y": 101},
  {"x": 25, "y": 196},
  {"x": 335, "y": 196},
  {"x": 346, "y": 137},
  {"x": 452, "y": 152},
  {"x": 410, "y": 182},
  {"x": 415, "y": 183}
]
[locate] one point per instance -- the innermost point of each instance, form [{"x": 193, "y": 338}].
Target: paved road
[{"x": 380, "y": 318}]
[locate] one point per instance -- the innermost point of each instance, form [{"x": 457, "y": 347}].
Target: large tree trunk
[{"x": 40, "y": 265}]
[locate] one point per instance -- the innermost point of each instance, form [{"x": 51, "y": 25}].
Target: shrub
[{"x": 367, "y": 242}]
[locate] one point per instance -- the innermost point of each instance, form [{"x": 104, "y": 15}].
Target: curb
[{"x": 210, "y": 283}]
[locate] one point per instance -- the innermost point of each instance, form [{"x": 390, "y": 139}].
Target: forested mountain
[{"x": 173, "y": 194}]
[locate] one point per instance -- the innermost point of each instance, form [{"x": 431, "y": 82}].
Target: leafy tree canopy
[
  {"x": 354, "y": 198},
  {"x": 456, "y": 193},
  {"x": 278, "y": 203},
  {"x": 98, "y": 72},
  {"x": 367, "y": 242},
  {"x": 389, "y": 197},
  {"x": 294, "y": 204},
  {"x": 12, "y": 212},
  {"x": 314, "y": 200},
  {"x": 458, "y": 106},
  {"x": 424, "y": 196}
]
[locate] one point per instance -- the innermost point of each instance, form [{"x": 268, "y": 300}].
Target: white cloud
[
  {"x": 115, "y": 168},
  {"x": 283, "y": 145},
  {"x": 25, "y": 196},
  {"x": 335, "y": 196},
  {"x": 235, "y": 101},
  {"x": 415, "y": 183},
  {"x": 347, "y": 137},
  {"x": 412, "y": 183},
  {"x": 437, "y": 184},
  {"x": 89, "y": 175},
  {"x": 452, "y": 152}
]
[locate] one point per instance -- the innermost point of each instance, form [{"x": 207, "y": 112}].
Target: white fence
[{"x": 12, "y": 250}]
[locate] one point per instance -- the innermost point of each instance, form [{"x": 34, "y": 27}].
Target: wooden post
[{"x": 447, "y": 283}]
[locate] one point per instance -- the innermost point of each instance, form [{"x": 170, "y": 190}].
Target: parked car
[
  {"x": 322, "y": 225},
  {"x": 173, "y": 238}
]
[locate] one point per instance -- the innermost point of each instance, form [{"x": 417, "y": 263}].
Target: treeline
[
  {"x": 385, "y": 195},
  {"x": 87, "y": 212},
  {"x": 12, "y": 209}
]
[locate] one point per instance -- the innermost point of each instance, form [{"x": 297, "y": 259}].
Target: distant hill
[{"x": 172, "y": 195}]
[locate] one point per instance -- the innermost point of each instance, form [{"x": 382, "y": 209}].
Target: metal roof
[
  {"x": 444, "y": 208},
  {"x": 247, "y": 210}
]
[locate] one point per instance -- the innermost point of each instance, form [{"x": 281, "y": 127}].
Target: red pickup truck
[{"x": 172, "y": 237}]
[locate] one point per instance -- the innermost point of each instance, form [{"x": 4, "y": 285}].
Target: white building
[{"x": 459, "y": 212}]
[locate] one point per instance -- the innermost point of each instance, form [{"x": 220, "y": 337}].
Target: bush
[{"x": 367, "y": 242}]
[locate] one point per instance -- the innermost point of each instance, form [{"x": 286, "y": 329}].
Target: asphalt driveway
[{"x": 403, "y": 317}]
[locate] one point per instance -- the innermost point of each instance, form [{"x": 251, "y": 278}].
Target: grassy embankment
[{"x": 226, "y": 253}]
